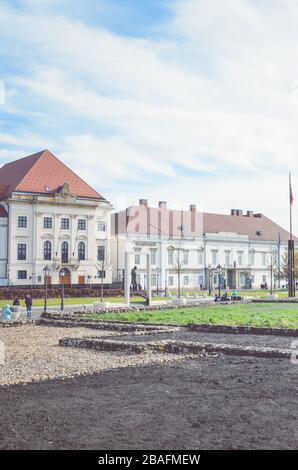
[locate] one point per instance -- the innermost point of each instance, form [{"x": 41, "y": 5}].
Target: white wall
[
  {"x": 3, "y": 248},
  {"x": 34, "y": 236}
]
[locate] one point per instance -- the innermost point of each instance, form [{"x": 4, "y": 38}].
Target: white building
[
  {"x": 189, "y": 246},
  {"x": 50, "y": 216}
]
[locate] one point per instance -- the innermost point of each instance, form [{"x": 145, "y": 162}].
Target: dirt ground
[{"x": 213, "y": 403}]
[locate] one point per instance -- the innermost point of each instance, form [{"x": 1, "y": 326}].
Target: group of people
[
  {"x": 7, "y": 310},
  {"x": 225, "y": 297}
]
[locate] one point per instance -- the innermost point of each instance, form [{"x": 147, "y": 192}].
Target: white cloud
[{"x": 216, "y": 95}]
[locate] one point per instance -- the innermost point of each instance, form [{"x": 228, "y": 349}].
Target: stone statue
[{"x": 134, "y": 278}]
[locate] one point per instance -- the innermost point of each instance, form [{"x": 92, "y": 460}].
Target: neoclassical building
[
  {"x": 189, "y": 246},
  {"x": 50, "y": 217}
]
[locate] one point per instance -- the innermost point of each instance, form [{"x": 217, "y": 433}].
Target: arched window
[
  {"x": 47, "y": 251},
  {"x": 81, "y": 251},
  {"x": 64, "y": 252}
]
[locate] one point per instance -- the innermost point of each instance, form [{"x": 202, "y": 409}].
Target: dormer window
[{"x": 259, "y": 233}]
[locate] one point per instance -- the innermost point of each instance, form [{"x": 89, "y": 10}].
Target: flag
[{"x": 291, "y": 192}]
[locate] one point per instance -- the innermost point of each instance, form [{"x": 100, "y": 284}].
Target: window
[
  {"x": 137, "y": 259},
  {"x": 185, "y": 257},
  {"x": 101, "y": 274},
  {"x": 47, "y": 222},
  {"x": 22, "y": 251},
  {"x": 65, "y": 224},
  {"x": 64, "y": 252},
  {"x": 264, "y": 278},
  {"x": 153, "y": 257},
  {"x": 101, "y": 226},
  {"x": 214, "y": 256},
  {"x": 186, "y": 280},
  {"x": 22, "y": 222},
  {"x": 81, "y": 224},
  {"x": 200, "y": 257},
  {"x": 240, "y": 258},
  {"x": 81, "y": 251},
  {"x": 100, "y": 253},
  {"x": 22, "y": 274},
  {"x": 171, "y": 257},
  {"x": 252, "y": 258},
  {"x": 153, "y": 280},
  {"x": 171, "y": 281},
  {"x": 215, "y": 279},
  {"x": 263, "y": 259},
  {"x": 47, "y": 251},
  {"x": 227, "y": 258}
]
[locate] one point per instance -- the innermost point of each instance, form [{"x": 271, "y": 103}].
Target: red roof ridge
[
  {"x": 40, "y": 155},
  {"x": 36, "y": 172}
]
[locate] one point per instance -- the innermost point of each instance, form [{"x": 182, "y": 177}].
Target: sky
[{"x": 188, "y": 101}]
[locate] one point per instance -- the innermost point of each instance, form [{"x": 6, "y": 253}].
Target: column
[
  {"x": 127, "y": 278},
  {"x": 149, "y": 293}
]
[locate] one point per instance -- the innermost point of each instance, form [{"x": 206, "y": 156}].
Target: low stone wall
[
  {"x": 251, "y": 330},
  {"x": 98, "y": 325},
  {"x": 276, "y": 301},
  {"x": 176, "y": 347},
  {"x": 13, "y": 324}
]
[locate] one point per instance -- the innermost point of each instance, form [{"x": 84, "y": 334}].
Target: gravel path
[{"x": 32, "y": 354}]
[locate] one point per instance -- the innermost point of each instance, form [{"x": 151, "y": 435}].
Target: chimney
[
  {"x": 193, "y": 208},
  {"x": 143, "y": 202},
  {"x": 249, "y": 213},
  {"x": 162, "y": 204},
  {"x": 239, "y": 212},
  {"x": 233, "y": 211}
]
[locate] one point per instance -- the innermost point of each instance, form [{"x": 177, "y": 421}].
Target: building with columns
[
  {"x": 239, "y": 250},
  {"x": 50, "y": 217}
]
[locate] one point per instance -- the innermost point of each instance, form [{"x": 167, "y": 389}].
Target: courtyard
[{"x": 89, "y": 397}]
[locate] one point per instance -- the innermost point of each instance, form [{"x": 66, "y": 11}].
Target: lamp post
[
  {"x": 46, "y": 272},
  {"x": 62, "y": 274},
  {"x": 219, "y": 270},
  {"x": 157, "y": 280},
  {"x": 209, "y": 279},
  {"x": 166, "y": 282}
]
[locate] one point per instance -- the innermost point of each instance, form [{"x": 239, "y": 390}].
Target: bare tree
[
  {"x": 284, "y": 267},
  {"x": 179, "y": 262},
  {"x": 103, "y": 264}
]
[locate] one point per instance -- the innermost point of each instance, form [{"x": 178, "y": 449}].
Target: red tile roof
[
  {"x": 3, "y": 212},
  {"x": 141, "y": 220},
  {"x": 36, "y": 172}
]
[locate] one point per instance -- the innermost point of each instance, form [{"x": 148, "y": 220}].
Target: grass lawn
[
  {"x": 262, "y": 315},
  {"x": 78, "y": 301}
]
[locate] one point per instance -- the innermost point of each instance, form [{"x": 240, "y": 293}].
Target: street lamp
[
  {"x": 166, "y": 282},
  {"x": 46, "y": 271},
  {"x": 219, "y": 270},
  {"x": 157, "y": 279},
  {"x": 62, "y": 274},
  {"x": 209, "y": 279}
]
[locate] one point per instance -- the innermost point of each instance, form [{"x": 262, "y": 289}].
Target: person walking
[
  {"x": 28, "y": 302},
  {"x": 6, "y": 313}
]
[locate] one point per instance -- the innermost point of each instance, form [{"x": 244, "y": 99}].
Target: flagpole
[
  {"x": 291, "y": 202},
  {"x": 291, "y": 249}
]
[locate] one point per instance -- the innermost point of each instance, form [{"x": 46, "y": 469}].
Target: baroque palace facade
[{"x": 50, "y": 217}]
